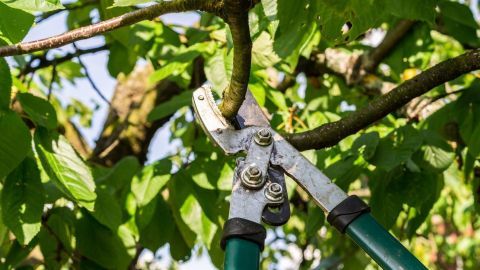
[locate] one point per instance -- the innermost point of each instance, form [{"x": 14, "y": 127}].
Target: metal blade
[
  {"x": 323, "y": 191},
  {"x": 217, "y": 128},
  {"x": 251, "y": 114}
]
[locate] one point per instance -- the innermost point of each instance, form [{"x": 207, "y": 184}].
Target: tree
[{"x": 391, "y": 119}]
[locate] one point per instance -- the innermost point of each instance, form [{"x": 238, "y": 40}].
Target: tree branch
[
  {"x": 331, "y": 133},
  {"x": 90, "y": 80},
  {"x": 236, "y": 15},
  {"x": 356, "y": 68},
  {"x": 147, "y": 13},
  {"x": 127, "y": 130},
  {"x": 371, "y": 60},
  {"x": 44, "y": 62}
]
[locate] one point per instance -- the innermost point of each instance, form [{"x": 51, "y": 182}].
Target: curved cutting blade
[
  {"x": 251, "y": 114},
  {"x": 217, "y": 127}
]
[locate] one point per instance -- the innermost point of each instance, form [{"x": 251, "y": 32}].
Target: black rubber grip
[
  {"x": 347, "y": 211},
  {"x": 245, "y": 229}
]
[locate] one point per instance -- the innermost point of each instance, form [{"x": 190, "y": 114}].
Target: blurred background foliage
[{"x": 68, "y": 204}]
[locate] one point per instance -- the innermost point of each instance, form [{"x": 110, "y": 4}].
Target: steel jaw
[
  {"x": 248, "y": 199},
  {"x": 217, "y": 128}
]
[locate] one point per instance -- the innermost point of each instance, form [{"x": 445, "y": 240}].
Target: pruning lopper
[{"x": 259, "y": 192}]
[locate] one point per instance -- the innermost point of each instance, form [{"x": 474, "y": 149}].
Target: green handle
[
  {"x": 379, "y": 244},
  {"x": 241, "y": 254}
]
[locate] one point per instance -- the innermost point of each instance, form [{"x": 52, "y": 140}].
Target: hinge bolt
[
  {"x": 263, "y": 137},
  {"x": 274, "y": 194},
  {"x": 252, "y": 177}
]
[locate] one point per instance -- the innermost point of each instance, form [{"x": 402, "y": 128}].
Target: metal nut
[
  {"x": 252, "y": 177},
  {"x": 274, "y": 194},
  {"x": 263, "y": 137}
]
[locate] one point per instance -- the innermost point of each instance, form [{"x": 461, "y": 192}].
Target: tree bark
[
  {"x": 331, "y": 133},
  {"x": 126, "y": 130}
]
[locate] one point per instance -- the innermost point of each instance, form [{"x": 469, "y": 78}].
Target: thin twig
[
  {"x": 44, "y": 62},
  {"x": 50, "y": 86},
  {"x": 147, "y": 13},
  {"x": 372, "y": 59},
  {"x": 89, "y": 78}
]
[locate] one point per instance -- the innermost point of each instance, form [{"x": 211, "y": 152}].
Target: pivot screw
[
  {"x": 200, "y": 97},
  {"x": 252, "y": 177},
  {"x": 263, "y": 137},
  {"x": 274, "y": 194}
]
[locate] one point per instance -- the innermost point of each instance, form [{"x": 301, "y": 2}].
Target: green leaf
[
  {"x": 460, "y": 13},
  {"x": 457, "y": 20},
  {"x": 40, "y": 111},
  {"x": 70, "y": 71},
  {"x": 120, "y": 176},
  {"x": 344, "y": 171},
  {"x": 65, "y": 168},
  {"x": 33, "y": 6},
  {"x": 22, "y": 201},
  {"x": 156, "y": 227},
  {"x": 385, "y": 202},
  {"x": 469, "y": 128},
  {"x": 107, "y": 210},
  {"x": 124, "y": 3},
  {"x": 4, "y": 231},
  {"x": 120, "y": 35},
  {"x": 171, "y": 106},
  {"x": 100, "y": 244},
  {"x": 120, "y": 60},
  {"x": 79, "y": 17},
  {"x": 411, "y": 51},
  {"x": 398, "y": 187},
  {"x": 396, "y": 148},
  {"x": 14, "y": 23},
  {"x": 278, "y": 99},
  {"x": 170, "y": 69},
  {"x": 182, "y": 59},
  {"x": 5, "y": 85},
  {"x": 218, "y": 69},
  {"x": 438, "y": 155},
  {"x": 315, "y": 220},
  {"x": 61, "y": 221},
  {"x": 148, "y": 183},
  {"x": 180, "y": 190},
  {"x": 17, "y": 253},
  {"x": 413, "y": 9},
  {"x": 78, "y": 109},
  {"x": 293, "y": 31},
  {"x": 192, "y": 214},
  {"x": 263, "y": 54},
  {"x": 211, "y": 175},
  {"x": 362, "y": 15},
  {"x": 60, "y": 233},
  {"x": 15, "y": 142},
  {"x": 367, "y": 143},
  {"x": 420, "y": 191},
  {"x": 48, "y": 246},
  {"x": 179, "y": 248}
]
